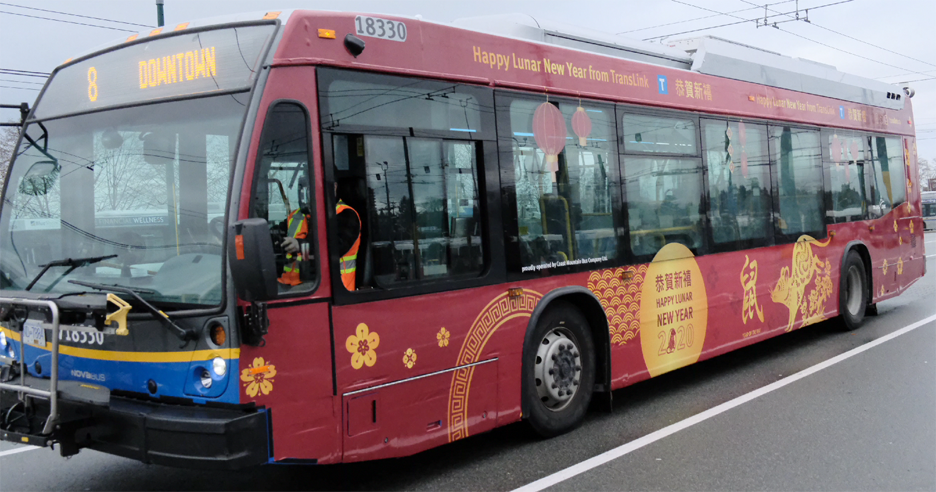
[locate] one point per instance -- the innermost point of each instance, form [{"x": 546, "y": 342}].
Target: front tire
[
  {"x": 853, "y": 292},
  {"x": 558, "y": 370}
]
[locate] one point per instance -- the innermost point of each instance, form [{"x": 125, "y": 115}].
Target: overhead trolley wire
[
  {"x": 66, "y": 21},
  {"x": 22, "y": 82},
  {"x": 854, "y": 39},
  {"x": 24, "y": 73},
  {"x": 737, "y": 22},
  {"x": 848, "y": 52},
  {"x": 699, "y": 18},
  {"x": 74, "y": 15}
]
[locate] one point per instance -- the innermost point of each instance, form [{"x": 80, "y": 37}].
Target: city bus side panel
[
  {"x": 406, "y": 368},
  {"x": 297, "y": 385}
]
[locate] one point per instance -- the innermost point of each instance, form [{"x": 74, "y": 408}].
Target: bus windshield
[{"x": 147, "y": 184}]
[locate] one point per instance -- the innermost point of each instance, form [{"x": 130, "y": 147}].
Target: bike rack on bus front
[{"x": 22, "y": 389}]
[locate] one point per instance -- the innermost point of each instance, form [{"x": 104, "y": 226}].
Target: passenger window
[
  {"x": 889, "y": 164},
  {"x": 664, "y": 200},
  {"x": 281, "y": 195},
  {"x": 564, "y": 170},
  {"x": 740, "y": 203},
  {"x": 845, "y": 154},
  {"x": 421, "y": 218},
  {"x": 796, "y": 157}
]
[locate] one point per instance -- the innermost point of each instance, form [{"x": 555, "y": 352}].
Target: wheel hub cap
[{"x": 558, "y": 370}]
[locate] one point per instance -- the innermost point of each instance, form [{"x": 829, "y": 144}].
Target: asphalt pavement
[{"x": 867, "y": 422}]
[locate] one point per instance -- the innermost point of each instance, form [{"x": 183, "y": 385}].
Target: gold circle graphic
[{"x": 673, "y": 310}]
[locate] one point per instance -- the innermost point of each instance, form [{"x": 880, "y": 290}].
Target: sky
[{"x": 879, "y": 39}]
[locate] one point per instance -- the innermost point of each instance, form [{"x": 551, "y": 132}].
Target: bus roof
[
  {"x": 544, "y": 57},
  {"x": 704, "y": 74}
]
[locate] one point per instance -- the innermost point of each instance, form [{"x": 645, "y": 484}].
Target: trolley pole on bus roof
[{"x": 159, "y": 13}]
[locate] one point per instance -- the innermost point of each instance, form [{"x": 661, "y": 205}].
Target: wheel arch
[
  {"x": 865, "y": 255},
  {"x": 590, "y": 307}
]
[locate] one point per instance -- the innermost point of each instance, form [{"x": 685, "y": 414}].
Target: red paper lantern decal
[
  {"x": 836, "y": 149},
  {"x": 742, "y": 137},
  {"x": 854, "y": 154},
  {"x": 549, "y": 131},
  {"x": 581, "y": 125}
]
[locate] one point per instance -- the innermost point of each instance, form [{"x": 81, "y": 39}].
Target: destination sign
[{"x": 185, "y": 64}]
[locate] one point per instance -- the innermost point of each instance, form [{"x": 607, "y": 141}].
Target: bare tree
[
  {"x": 927, "y": 172},
  {"x": 8, "y": 136}
]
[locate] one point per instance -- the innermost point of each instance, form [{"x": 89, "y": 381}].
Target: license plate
[{"x": 34, "y": 333}]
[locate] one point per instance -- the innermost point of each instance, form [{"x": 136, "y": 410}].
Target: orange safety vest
[
  {"x": 348, "y": 262},
  {"x": 299, "y": 229}
]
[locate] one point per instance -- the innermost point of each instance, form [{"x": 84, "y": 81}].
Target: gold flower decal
[
  {"x": 895, "y": 226},
  {"x": 443, "y": 337},
  {"x": 361, "y": 345},
  {"x": 258, "y": 378},
  {"x": 885, "y": 268},
  {"x": 900, "y": 240},
  {"x": 899, "y": 266},
  {"x": 409, "y": 358},
  {"x": 911, "y": 227},
  {"x": 882, "y": 290}
]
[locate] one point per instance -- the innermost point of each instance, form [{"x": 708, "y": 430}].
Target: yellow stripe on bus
[{"x": 228, "y": 353}]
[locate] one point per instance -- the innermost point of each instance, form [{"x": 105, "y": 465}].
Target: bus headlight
[
  {"x": 206, "y": 379},
  {"x": 219, "y": 366},
  {"x": 3, "y": 342}
]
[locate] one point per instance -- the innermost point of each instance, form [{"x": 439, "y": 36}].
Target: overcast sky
[{"x": 884, "y": 28}]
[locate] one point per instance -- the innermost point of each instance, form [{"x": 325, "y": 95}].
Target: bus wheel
[
  {"x": 853, "y": 292},
  {"x": 559, "y": 370}
]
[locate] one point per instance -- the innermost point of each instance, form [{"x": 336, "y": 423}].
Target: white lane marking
[
  {"x": 636, "y": 444},
  {"x": 19, "y": 449}
]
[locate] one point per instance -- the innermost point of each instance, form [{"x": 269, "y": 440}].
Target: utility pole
[{"x": 159, "y": 13}]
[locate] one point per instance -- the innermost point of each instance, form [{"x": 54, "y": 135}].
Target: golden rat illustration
[{"x": 792, "y": 285}]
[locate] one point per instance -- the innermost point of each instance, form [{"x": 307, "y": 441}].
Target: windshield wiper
[
  {"x": 72, "y": 263},
  {"x": 184, "y": 334}
]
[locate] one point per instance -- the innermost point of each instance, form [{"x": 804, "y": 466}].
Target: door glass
[{"x": 282, "y": 195}]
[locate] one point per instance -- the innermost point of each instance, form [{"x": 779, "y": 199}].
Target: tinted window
[
  {"x": 664, "y": 199},
  {"x": 796, "y": 158},
  {"x": 845, "y": 155},
  {"x": 739, "y": 183},
  {"x": 643, "y": 133},
  {"x": 929, "y": 210},
  {"x": 282, "y": 196},
  {"x": 563, "y": 164}
]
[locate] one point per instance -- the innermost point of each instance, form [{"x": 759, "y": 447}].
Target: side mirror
[
  {"x": 253, "y": 264},
  {"x": 39, "y": 179}
]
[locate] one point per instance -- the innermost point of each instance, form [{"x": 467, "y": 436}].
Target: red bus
[{"x": 317, "y": 237}]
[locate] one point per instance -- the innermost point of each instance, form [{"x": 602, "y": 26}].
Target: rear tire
[
  {"x": 558, "y": 370},
  {"x": 853, "y": 292}
]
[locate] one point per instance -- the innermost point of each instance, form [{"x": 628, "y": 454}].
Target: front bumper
[{"x": 171, "y": 434}]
